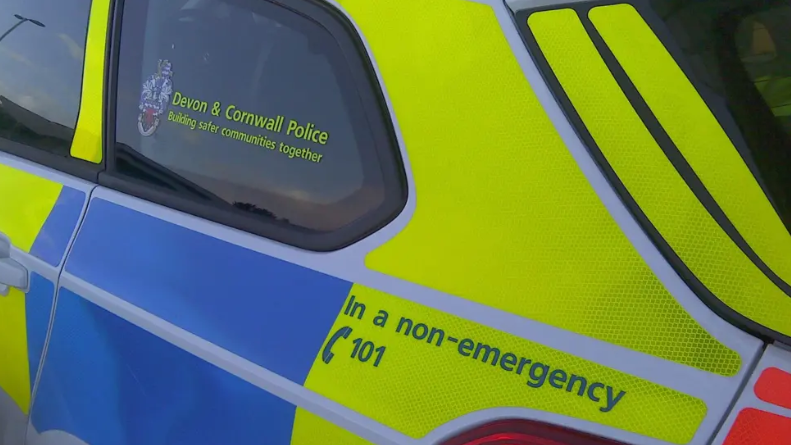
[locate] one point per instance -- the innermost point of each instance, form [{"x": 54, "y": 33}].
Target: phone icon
[{"x": 326, "y": 354}]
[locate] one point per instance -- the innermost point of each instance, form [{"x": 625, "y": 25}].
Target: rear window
[
  {"x": 741, "y": 50},
  {"x": 763, "y": 40}
]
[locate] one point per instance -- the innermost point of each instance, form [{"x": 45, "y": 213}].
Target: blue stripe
[
  {"x": 271, "y": 312},
  {"x": 38, "y": 306},
  {"x": 109, "y": 382},
  {"x": 53, "y": 239}
]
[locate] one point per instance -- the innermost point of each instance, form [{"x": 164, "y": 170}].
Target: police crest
[{"x": 154, "y": 98}]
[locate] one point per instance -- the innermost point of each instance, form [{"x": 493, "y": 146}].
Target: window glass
[
  {"x": 741, "y": 51},
  {"x": 764, "y": 44},
  {"x": 42, "y": 44},
  {"x": 246, "y": 105}
]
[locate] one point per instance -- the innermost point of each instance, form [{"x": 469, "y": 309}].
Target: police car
[{"x": 399, "y": 222}]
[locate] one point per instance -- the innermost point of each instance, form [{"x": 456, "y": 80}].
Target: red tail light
[{"x": 525, "y": 432}]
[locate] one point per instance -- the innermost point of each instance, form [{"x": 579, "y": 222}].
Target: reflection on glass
[
  {"x": 41, "y": 52},
  {"x": 759, "y": 37},
  {"x": 22, "y": 20}
]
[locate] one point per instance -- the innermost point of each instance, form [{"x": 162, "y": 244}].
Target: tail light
[{"x": 525, "y": 432}]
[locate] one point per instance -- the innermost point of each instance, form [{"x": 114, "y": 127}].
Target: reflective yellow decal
[
  {"x": 310, "y": 429},
  {"x": 504, "y": 215},
  {"x": 649, "y": 176},
  {"x": 696, "y": 133},
  {"x": 27, "y": 201},
  {"x": 14, "y": 373},
  {"x": 87, "y": 143},
  {"x": 414, "y": 368}
]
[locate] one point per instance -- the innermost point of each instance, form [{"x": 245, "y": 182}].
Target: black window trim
[
  {"x": 76, "y": 167},
  {"x": 374, "y": 107},
  {"x": 85, "y": 170}
]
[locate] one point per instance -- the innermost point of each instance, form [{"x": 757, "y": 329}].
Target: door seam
[{"x": 51, "y": 324}]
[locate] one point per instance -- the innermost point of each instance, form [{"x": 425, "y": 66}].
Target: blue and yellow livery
[{"x": 532, "y": 221}]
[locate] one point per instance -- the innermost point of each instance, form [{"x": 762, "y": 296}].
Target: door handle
[{"x": 12, "y": 274}]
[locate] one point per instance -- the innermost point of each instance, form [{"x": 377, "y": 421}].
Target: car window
[
  {"x": 766, "y": 54},
  {"x": 251, "y": 107},
  {"x": 42, "y": 45}
]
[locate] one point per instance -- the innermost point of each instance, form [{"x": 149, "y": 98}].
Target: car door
[
  {"x": 177, "y": 319},
  {"x": 43, "y": 190},
  {"x": 41, "y": 211}
]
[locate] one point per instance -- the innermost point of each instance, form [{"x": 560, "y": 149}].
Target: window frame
[
  {"x": 373, "y": 105},
  {"x": 66, "y": 164}
]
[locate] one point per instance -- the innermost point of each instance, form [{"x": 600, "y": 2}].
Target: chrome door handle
[{"x": 12, "y": 274}]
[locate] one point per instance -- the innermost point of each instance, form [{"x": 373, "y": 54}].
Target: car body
[{"x": 395, "y": 221}]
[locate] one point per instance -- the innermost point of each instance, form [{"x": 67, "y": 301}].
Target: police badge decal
[{"x": 155, "y": 98}]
